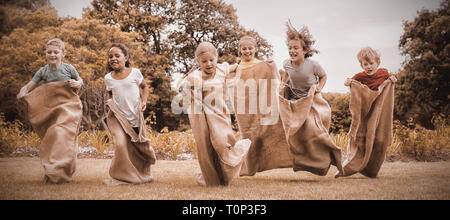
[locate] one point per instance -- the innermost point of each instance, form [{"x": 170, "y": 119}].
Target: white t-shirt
[{"x": 126, "y": 94}]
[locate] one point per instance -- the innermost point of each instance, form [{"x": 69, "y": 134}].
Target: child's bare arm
[
  {"x": 76, "y": 83},
  {"x": 321, "y": 84},
  {"x": 348, "y": 81},
  {"x": 393, "y": 78},
  {"x": 144, "y": 94},
  {"x": 233, "y": 70},
  {"x": 284, "y": 76},
  {"x": 26, "y": 89}
]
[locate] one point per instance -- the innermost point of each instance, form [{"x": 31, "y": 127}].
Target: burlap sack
[
  {"x": 219, "y": 154},
  {"x": 269, "y": 149},
  {"x": 133, "y": 154},
  {"x": 371, "y": 129},
  {"x": 55, "y": 112},
  {"x": 306, "y": 122}
]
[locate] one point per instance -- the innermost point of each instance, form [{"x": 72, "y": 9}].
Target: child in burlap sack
[
  {"x": 371, "y": 106},
  {"x": 55, "y": 112},
  {"x": 133, "y": 154}
]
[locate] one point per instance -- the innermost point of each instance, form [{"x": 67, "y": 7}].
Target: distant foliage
[
  {"x": 150, "y": 28},
  {"x": 341, "y": 118},
  {"x": 422, "y": 90}
]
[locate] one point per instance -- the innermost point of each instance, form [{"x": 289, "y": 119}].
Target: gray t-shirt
[
  {"x": 63, "y": 73},
  {"x": 301, "y": 79}
]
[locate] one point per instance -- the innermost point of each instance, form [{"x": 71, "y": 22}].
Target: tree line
[{"x": 163, "y": 35}]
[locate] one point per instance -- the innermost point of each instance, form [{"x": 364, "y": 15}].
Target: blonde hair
[
  {"x": 56, "y": 42},
  {"x": 205, "y": 47},
  {"x": 249, "y": 39},
  {"x": 367, "y": 54},
  {"x": 303, "y": 36}
]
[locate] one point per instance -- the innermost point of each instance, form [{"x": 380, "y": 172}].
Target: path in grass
[{"x": 21, "y": 178}]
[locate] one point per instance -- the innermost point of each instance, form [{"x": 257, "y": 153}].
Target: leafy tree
[
  {"x": 27, "y": 4},
  {"x": 22, "y": 53},
  {"x": 148, "y": 19},
  {"x": 209, "y": 20},
  {"x": 422, "y": 89},
  {"x": 87, "y": 42},
  {"x": 341, "y": 117}
]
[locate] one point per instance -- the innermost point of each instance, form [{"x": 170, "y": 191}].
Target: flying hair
[{"x": 304, "y": 36}]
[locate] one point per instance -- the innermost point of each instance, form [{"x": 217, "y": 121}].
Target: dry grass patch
[{"x": 20, "y": 178}]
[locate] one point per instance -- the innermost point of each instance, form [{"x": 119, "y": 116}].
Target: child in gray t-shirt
[
  {"x": 302, "y": 72},
  {"x": 55, "y": 70}
]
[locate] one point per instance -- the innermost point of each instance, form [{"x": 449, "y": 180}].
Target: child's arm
[
  {"x": 284, "y": 76},
  {"x": 272, "y": 64},
  {"x": 144, "y": 94},
  {"x": 321, "y": 84},
  {"x": 25, "y": 89},
  {"x": 233, "y": 70},
  {"x": 76, "y": 83},
  {"x": 393, "y": 78},
  {"x": 348, "y": 81}
]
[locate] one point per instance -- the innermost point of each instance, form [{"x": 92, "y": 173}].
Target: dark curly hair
[
  {"x": 303, "y": 36},
  {"x": 125, "y": 52}
]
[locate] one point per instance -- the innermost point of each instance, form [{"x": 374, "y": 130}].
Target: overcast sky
[{"x": 340, "y": 28}]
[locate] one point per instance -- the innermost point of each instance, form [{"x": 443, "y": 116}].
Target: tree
[
  {"x": 27, "y": 4},
  {"x": 341, "y": 117},
  {"x": 149, "y": 20},
  {"x": 87, "y": 42},
  {"x": 422, "y": 89},
  {"x": 22, "y": 53},
  {"x": 209, "y": 20}
]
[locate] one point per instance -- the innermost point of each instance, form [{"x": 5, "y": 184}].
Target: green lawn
[{"x": 21, "y": 178}]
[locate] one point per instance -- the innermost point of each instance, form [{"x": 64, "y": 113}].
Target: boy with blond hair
[
  {"x": 55, "y": 112},
  {"x": 55, "y": 70},
  {"x": 372, "y": 76},
  {"x": 371, "y": 106}
]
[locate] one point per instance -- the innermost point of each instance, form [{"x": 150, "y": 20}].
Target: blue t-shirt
[{"x": 63, "y": 73}]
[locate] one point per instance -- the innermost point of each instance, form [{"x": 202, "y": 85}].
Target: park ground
[{"x": 22, "y": 178}]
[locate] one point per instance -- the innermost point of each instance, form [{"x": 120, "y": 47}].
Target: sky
[{"x": 339, "y": 27}]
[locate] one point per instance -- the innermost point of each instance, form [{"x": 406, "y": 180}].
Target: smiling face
[
  {"x": 117, "y": 59},
  {"x": 247, "y": 51},
  {"x": 296, "y": 51},
  {"x": 208, "y": 63},
  {"x": 370, "y": 66},
  {"x": 54, "y": 55}
]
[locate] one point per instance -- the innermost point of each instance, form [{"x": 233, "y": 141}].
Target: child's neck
[
  {"x": 298, "y": 63},
  {"x": 55, "y": 66},
  {"x": 373, "y": 73},
  {"x": 254, "y": 60},
  {"x": 122, "y": 73},
  {"x": 123, "y": 70},
  {"x": 208, "y": 76}
]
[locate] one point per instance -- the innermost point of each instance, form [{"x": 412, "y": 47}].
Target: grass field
[{"x": 21, "y": 178}]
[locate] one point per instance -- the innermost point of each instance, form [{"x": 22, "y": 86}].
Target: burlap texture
[
  {"x": 371, "y": 129},
  {"x": 133, "y": 155},
  {"x": 55, "y": 112},
  {"x": 269, "y": 149},
  {"x": 220, "y": 155},
  {"x": 306, "y": 122}
]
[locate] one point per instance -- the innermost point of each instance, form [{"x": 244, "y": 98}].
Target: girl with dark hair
[{"x": 133, "y": 153}]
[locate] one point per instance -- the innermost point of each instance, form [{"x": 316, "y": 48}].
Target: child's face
[
  {"x": 54, "y": 55},
  {"x": 370, "y": 66},
  {"x": 208, "y": 63},
  {"x": 296, "y": 50},
  {"x": 248, "y": 51},
  {"x": 117, "y": 59}
]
